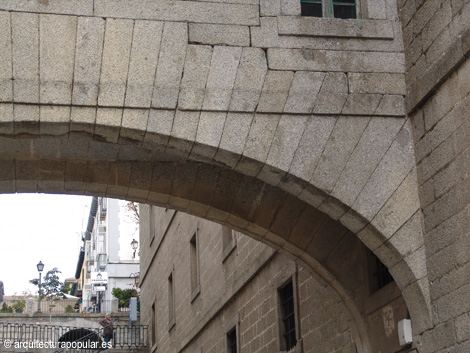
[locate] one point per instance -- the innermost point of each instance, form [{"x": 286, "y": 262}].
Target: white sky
[{"x": 39, "y": 227}]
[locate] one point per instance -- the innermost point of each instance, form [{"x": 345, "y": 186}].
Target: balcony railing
[{"x": 124, "y": 336}]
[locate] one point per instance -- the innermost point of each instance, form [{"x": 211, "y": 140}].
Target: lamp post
[
  {"x": 40, "y": 267},
  {"x": 134, "y": 245}
]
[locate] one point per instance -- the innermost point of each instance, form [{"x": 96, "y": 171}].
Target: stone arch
[{"x": 144, "y": 104}]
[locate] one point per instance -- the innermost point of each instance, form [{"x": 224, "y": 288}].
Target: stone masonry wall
[
  {"x": 242, "y": 290},
  {"x": 437, "y": 43}
]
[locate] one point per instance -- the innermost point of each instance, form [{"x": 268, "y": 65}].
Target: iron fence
[{"x": 124, "y": 336}]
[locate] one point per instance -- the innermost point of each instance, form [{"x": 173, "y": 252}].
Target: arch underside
[
  {"x": 83, "y": 163},
  {"x": 269, "y": 133}
]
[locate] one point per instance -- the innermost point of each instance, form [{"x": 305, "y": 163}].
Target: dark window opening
[
  {"x": 232, "y": 341},
  {"x": 311, "y": 8},
  {"x": 329, "y": 8},
  {"x": 379, "y": 274},
  {"x": 344, "y": 9},
  {"x": 286, "y": 295}
]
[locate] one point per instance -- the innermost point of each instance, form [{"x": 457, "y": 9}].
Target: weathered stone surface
[
  {"x": 361, "y": 104},
  {"x": 6, "y": 83},
  {"x": 54, "y": 120},
  {"x": 333, "y": 94},
  {"x": 219, "y": 34},
  {"x": 170, "y": 65},
  {"x": 290, "y": 8},
  {"x": 25, "y": 51},
  {"x": 134, "y": 123},
  {"x": 209, "y": 133},
  {"x": 26, "y": 119},
  {"x": 143, "y": 63},
  {"x": 249, "y": 81},
  {"x": 84, "y": 7},
  {"x": 6, "y": 118},
  {"x": 257, "y": 146},
  {"x": 193, "y": 11},
  {"x": 285, "y": 142},
  {"x": 342, "y": 141},
  {"x": 322, "y": 60},
  {"x": 311, "y": 146},
  {"x": 236, "y": 129},
  {"x": 391, "y": 105},
  {"x": 222, "y": 74},
  {"x": 391, "y": 171},
  {"x": 108, "y": 123},
  {"x": 275, "y": 91},
  {"x": 115, "y": 62},
  {"x": 379, "y": 133},
  {"x": 159, "y": 126},
  {"x": 323, "y": 27},
  {"x": 270, "y": 7},
  {"x": 88, "y": 54},
  {"x": 193, "y": 83},
  {"x": 303, "y": 92},
  {"x": 56, "y": 57},
  {"x": 384, "y": 83},
  {"x": 183, "y": 132}
]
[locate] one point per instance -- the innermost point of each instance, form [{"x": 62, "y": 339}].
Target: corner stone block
[
  {"x": 275, "y": 91},
  {"x": 304, "y": 91},
  {"x": 193, "y": 83},
  {"x": 222, "y": 74},
  {"x": 170, "y": 65},
  {"x": 249, "y": 81},
  {"x": 88, "y": 53},
  {"x": 6, "y": 83},
  {"x": 115, "y": 62},
  {"x": 143, "y": 63},
  {"x": 57, "y": 54}
]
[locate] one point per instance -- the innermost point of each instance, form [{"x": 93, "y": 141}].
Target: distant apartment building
[
  {"x": 106, "y": 260},
  {"x": 207, "y": 288}
]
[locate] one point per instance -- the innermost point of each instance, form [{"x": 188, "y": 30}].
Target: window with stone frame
[
  {"x": 232, "y": 340},
  {"x": 330, "y": 8},
  {"x": 288, "y": 320}
]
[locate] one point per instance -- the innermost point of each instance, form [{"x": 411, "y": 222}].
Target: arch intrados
[{"x": 154, "y": 173}]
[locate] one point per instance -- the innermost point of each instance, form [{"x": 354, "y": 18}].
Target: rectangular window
[
  {"x": 171, "y": 302},
  {"x": 154, "y": 325},
  {"x": 194, "y": 263},
  {"x": 229, "y": 242},
  {"x": 232, "y": 341},
  {"x": 329, "y": 8},
  {"x": 286, "y": 297}
]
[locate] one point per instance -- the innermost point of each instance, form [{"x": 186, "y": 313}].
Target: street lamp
[
  {"x": 40, "y": 267},
  {"x": 134, "y": 245}
]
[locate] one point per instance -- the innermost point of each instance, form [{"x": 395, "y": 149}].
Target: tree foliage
[
  {"x": 51, "y": 288},
  {"x": 124, "y": 296}
]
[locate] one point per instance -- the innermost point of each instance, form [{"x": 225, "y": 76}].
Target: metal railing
[{"x": 124, "y": 336}]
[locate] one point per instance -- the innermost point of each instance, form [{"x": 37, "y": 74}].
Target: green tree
[
  {"x": 124, "y": 296},
  {"x": 51, "y": 288}
]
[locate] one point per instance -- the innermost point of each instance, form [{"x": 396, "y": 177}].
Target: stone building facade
[
  {"x": 202, "y": 282},
  {"x": 313, "y": 135}
]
